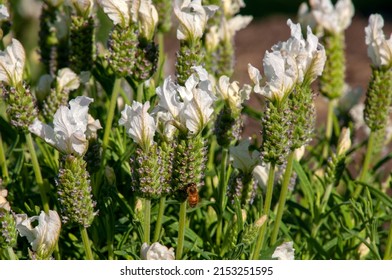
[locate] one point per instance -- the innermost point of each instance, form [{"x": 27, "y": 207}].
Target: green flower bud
[
  {"x": 188, "y": 56},
  {"x": 378, "y": 99},
  {"x": 333, "y": 77},
  {"x": 122, "y": 46},
  {"x": 81, "y": 56},
  {"x": 74, "y": 191}
]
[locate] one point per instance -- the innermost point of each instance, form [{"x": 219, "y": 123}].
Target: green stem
[
  {"x": 181, "y": 230},
  {"x": 86, "y": 243},
  {"x": 161, "y": 58},
  {"x": 388, "y": 248},
  {"x": 283, "y": 197},
  {"x": 328, "y": 131},
  {"x": 3, "y": 162},
  {"x": 158, "y": 225},
  {"x": 324, "y": 202},
  {"x": 37, "y": 172},
  {"x": 222, "y": 194},
  {"x": 366, "y": 164},
  {"x": 11, "y": 254},
  {"x": 146, "y": 220},
  {"x": 267, "y": 206},
  {"x": 140, "y": 93},
  {"x": 110, "y": 116}
]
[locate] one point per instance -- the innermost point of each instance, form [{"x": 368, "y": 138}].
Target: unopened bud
[{"x": 344, "y": 142}]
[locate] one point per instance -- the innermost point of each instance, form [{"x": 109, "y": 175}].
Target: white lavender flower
[
  {"x": 139, "y": 124},
  {"x": 281, "y": 75},
  {"x": 43, "y": 237},
  {"x": 70, "y": 125},
  {"x": 260, "y": 174},
  {"x": 117, "y": 11},
  {"x": 231, "y": 93},
  {"x": 67, "y": 80},
  {"x": 193, "y": 18},
  {"x": 147, "y": 16},
  {"x": 379, "y": 48},
  {"x": 156, "y": 251},
  {"x": 231, "y": 7},
  {"x": 242, "y": 158},
  {"x": 309, "y": 54},
  {"x": 231, "y": 26},
  {"x": 284, "y": 251},
  {"x": 190, "y": 106},
  {"x": 334, "y": 19},
  {"x": 12, "y": 62},
  {"x": 4, "y": 14},
  {"x": 344, "y": 142},
  {"x": 3, "y": 200}
]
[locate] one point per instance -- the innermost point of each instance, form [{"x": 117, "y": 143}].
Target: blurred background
[{"x": 260, "y": 8}]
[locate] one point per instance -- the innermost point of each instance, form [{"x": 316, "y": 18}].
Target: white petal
[
  {"x": 156, "y": 252},
  {"x": 117, "y": 10},
  {"x": 12, "y": 62},
  {"x": 242, "y": 158},
  {"x": 140, "y": 125},
  {"x": 4, "y": 14},
  {"x": 44, "y": 236},
  {"x": 44, "y": 131},
  {"x": 260, "y": 174},
  {"x": 284, "y": 251},
  {"x": 168, "y": 99},
  {"x": 148, "y": 19},
  {"x": 235, "y": 24},
  {"x": 193, "y": 19},
  {"x": 255, "y": 76},
  {"x": 67, "y": 80},
  {"x": 379, "y": 49}
]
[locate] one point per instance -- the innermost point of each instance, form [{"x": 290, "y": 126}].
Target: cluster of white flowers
[
  {"x": 139, "y": 124},
  {"x": 142, "y": 12},
  {"x": 291, "y": 62},
  {"x": 3, "y": 199},
  {"x": 379, "y": 48},
  {"x": 229, "y": 24},
  {"x": 190, "y": 107},
  {"x": 12, "y": 62},
  {"x": 193, "y": 18},
  {"x": 325, "y": 16},
  {"x": 69, "y": 134},
  {"x": 284, "y": 251},
  {"x": 231, "y": 93},
  {"x": 43, "y": 237},
  {"x": 156, "y": 251}
]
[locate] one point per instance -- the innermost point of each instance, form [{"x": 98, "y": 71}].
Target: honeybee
[{"x": 193, "y": 195}]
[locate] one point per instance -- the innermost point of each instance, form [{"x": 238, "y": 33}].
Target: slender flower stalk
[
  {"x": 110, "y": 116},
  {"x": 37, "y": 172},
  {"x": 388, "y": 246},
  {"x": 3, "y": 162},
  {"x": 282, "y": 197},
  {"x": 158, "y": 225},
  {"x": 267, "y": 205},
  {"x": 86, "y": 243},
  {"x": 181, "y": 230}
]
